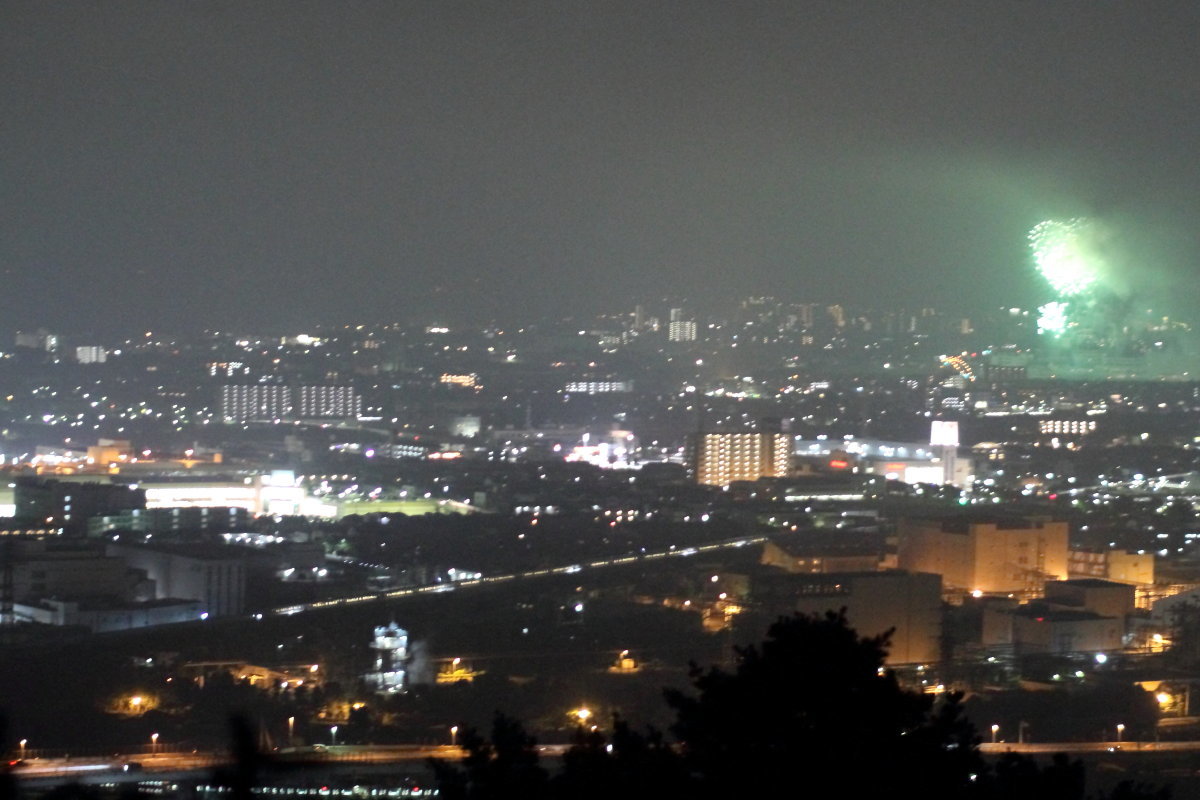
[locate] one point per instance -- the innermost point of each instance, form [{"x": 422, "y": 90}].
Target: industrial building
[
  {"x": 856, "y": 554},
  {"x": 211, "y": 574},
  {"x": 986, "y": 555},
  {"x": 907, "y": 603}
]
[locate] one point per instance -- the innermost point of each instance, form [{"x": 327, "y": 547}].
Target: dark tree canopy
[
  {"x": 506, "y": 766},
  {"x": 814, "y": 707},
  {"x": 811, "y": 711}
]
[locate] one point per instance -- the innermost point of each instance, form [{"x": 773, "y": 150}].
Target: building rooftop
[
  {"x": 961, "y": 521},
  {"x": 101, "y": 603},
  {"x": 824, "y": 544},
  {"x": 203, "y": 551}
]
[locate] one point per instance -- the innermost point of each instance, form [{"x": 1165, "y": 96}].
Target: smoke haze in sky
[{"x": 279, "y": 163}]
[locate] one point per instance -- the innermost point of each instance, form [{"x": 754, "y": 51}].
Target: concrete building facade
[
  {"x": 212, "y": 575},
  {"x": 986, "y": 555},
  {"x": 907, "y": 603}
]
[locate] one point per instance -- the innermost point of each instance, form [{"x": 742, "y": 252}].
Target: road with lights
[{"x": 190, "y": 764}]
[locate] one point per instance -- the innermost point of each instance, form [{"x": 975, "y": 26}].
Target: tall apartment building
[
  {"x": 722, "y": 458},
  {"x": 598, "y": 387},
  {"x": 340, "y": 402},
  {"x": 679, "y": 327},
  {"x": 91, "y": 354},
  {"x": 681, "y": 330},
  {"x": 269, "y": 402}
]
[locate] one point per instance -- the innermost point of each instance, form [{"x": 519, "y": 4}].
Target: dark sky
[{"x": 259, "y": 164}]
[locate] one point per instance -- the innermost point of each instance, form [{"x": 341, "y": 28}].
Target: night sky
[{"x": 260, "y": 165}]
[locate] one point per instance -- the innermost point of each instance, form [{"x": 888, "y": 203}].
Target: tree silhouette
[
  {"x": 8, "y": 784},
  {"x": 810, "y": 711},
  {"x": 627, "y": 765},
  {"x": 1017, "y": 776},
  {"x": 814, "y": 707},
  {"x": 504, "y": 767}
]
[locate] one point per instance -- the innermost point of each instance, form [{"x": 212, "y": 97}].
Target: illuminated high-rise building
[
  {"x": 683, "y": 330},
  {"x": 327, "y": 402},
  {"x": 91, "y": 354},
  {"x": 258, "y": 402},
  {"x": 274, "y": 401},
  {"x": 722, "y": 458},
  {"x": 680, "y": 328}
]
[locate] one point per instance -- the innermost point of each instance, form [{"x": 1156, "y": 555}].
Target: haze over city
[{"x": 277, "y": 163}]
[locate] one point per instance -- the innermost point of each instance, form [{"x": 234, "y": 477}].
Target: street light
[
  {"x": 1120, "y": 731},
  {"x": 582, "y": 714},
  {"x": 153, "y": 742},
  {"x": 333, "y": 734},
  {"x": 453, "y": 735},
  {"x": 22, "y": 743},
  {"x": 995, "y": 730}
]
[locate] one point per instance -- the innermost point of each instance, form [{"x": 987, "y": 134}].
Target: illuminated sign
[{"x": 944, "y": 433}]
